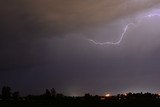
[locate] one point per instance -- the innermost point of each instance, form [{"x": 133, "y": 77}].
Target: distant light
[
  {"x": 102, "y": 98},
  {"x": 125, "y": 94},
  {"x": 158, "y": 94},
  {"x": 108, "y": 95}
]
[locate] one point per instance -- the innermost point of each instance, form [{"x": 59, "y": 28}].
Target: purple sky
[{"x": 43, "y": 44}]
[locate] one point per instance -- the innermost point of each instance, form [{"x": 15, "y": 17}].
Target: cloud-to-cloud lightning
[{"x": 124, "y": 31}]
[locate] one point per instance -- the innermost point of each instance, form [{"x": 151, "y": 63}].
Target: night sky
[{"x": 44, "y": 44}]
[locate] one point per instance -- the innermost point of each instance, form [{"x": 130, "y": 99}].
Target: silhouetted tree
[
  {"x": 87, "y": 96},
  {"x": 16, "y": 95},
  {"x": 6, "y": 92},
  {"x": 48, "y": 93},
  {"x": 53, "y": 92}
]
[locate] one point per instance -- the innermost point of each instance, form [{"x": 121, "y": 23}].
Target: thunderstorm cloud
[{"x": 38, "y": 18}]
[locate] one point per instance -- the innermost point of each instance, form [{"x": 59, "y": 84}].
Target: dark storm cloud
[
  {"x": 23, "y": 23},
  {"x": 43, "y": 18}
]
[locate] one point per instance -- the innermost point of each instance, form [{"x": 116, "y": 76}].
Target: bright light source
[
  {"x": 108, "y": 95},
  {"x": 125, "y": 94}
]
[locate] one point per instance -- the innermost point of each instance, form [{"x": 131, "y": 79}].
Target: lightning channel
[{"x": 125, "y": 29}]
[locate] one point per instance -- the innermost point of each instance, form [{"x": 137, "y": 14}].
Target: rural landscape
[{"x": 53, "y": 99}]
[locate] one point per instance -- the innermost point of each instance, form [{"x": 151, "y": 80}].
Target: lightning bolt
[{"x": 125, "y": 29}]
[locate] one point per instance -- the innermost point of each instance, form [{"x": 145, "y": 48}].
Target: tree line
[{"x": 51, "y": 98}]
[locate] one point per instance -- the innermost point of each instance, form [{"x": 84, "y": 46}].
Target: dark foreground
[{"x": 128, "y": 100}]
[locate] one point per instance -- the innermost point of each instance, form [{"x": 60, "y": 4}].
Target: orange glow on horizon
[{"x": 108, "y": 95}]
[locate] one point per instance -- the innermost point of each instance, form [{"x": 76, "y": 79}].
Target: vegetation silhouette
[{"x": 53, "y": 99}]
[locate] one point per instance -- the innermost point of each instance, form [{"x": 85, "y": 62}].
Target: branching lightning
[{"x": 125, "y": 29}]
